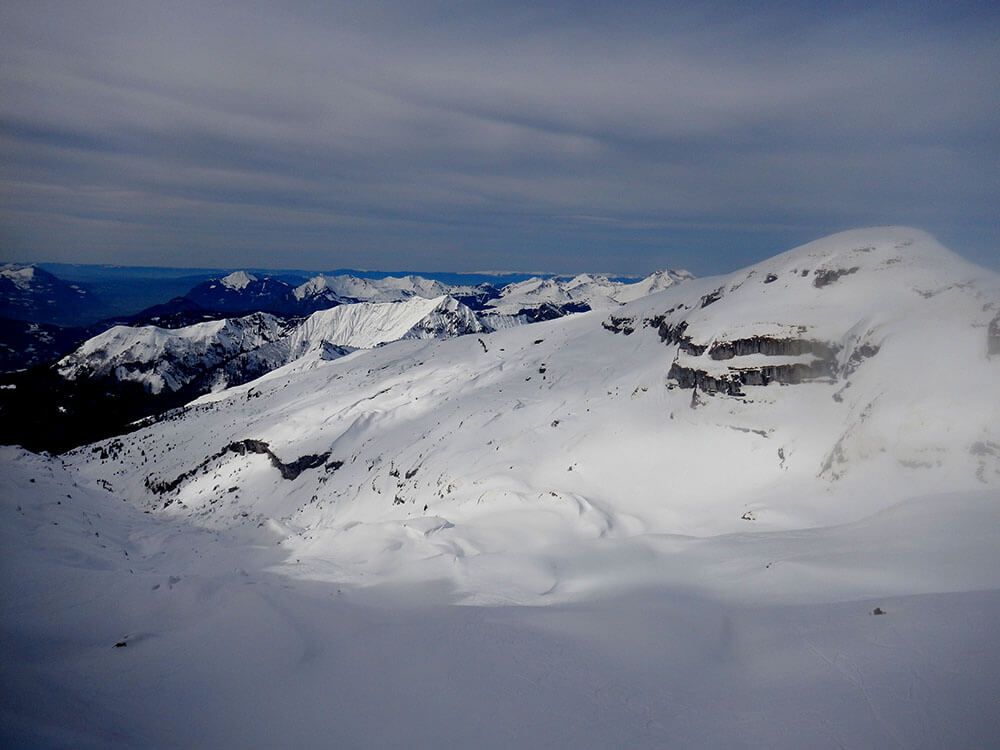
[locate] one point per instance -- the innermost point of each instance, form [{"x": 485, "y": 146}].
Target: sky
[{"x": 555, "y": 136}]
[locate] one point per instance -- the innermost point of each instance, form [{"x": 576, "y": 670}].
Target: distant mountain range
[
  {"x": 43, "y": 317},
  {"x": 92, "y": 380}
]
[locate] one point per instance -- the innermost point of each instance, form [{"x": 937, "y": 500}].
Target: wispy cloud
[{"x": 470, "y": 135}]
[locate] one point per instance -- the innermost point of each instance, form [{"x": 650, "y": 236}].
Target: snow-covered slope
[
  {"x": 713, "y": 489},
  {"x": 171, "y": 359},
  {"x": 388, "y": 289},
  {"x": 825, "y": 385},
  {"x": 125, "y": 629},
  {"x": 215, "y": 354},
  {"x": 655, "y": 282},
  {"x": 368, "y": 324}
]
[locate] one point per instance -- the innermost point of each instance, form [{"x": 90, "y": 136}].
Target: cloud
[{"x": 436, "y": 135}]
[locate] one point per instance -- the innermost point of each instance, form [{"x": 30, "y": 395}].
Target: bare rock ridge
[
  {"x": 771, "y": 347},
  {"x": 290, "y": 470},
  {"x": 823, "y": 364}
]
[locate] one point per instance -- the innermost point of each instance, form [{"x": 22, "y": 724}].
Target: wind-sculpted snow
[{"x": 804, "y": 561}]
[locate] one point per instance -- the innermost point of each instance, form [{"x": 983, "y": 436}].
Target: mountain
[
  {"x": 525, "y": 298},
  {"x": 355, "y": 289},
  {"x": 32, "y": 294},
  {"x": 724, "y": 505},
  {"x": 217, "y": 354},
  {"x": 214, "y": 354},
  {"x": 242, "y": 292},
  {"x": 130, "y": 372},
  {"x": 576, "y": 294},
  {"x": 365, "y": 325},
  {"x": 846, "y": 357},
  {"x": 178, "y": 351},
  {"x": 655, "y": 282}
]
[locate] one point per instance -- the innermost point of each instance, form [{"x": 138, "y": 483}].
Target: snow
[
  {"x": 21, "y": 276},
  {"x": 161, "y": 358},
  {"x": 238, "y": 280},
  {"x": 368, "y": 324},
  {"x": 171, "y": 359},
  {"x": 388, "y": 289},
  {"x": 746, "y": 640},
  {"x": 536, "y": 539},
  {"x": 593, "y": 289}
]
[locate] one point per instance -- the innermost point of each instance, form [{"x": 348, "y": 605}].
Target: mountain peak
[
  {"x": 21, "y": 276},
  {"x": 238, "y": 280}
]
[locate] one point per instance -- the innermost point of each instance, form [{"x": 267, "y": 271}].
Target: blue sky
[{"x": 555, "y": 137}]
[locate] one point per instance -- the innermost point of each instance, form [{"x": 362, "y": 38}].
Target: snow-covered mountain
[
  {"x": 214, "y": 354},
  {"x": 242, "y": 292},
  {"x": 850, "y": 357},
  {"x": 33, "y": 294},
  {"x": 32, "y": 300},
  {"x": 217, "y": 354},
  {"x": 575, "y": 294},
  {"x": 732, "y": 504},
  {"x": 655, "y": 282},
  {"x": 220, "y": 353},
  {"x": 354, "y": 289},
  {"x": 579, "y": 293},
  {"x": 365, "y": 325}
]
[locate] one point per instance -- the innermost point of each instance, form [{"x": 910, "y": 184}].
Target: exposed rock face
[
  {"x": 235, "y": 350},
  {"x": 289, "y": 470},
  {"x": 675, "y": 334},
  {"x": 860, "y": 354},
  {"x": 828, "y": 276},
  {"x": 822, "y": 362},
  {"x": 451, "y": 318},
  {"x": 732, "y": 383},
  {"x": 699, "y": 380},
  {"x": 993, "y": 336},
  {"x": 615, "y": 324},
  {"x": 715, "y": 296},
  {"x": 771, "y": 347}
]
